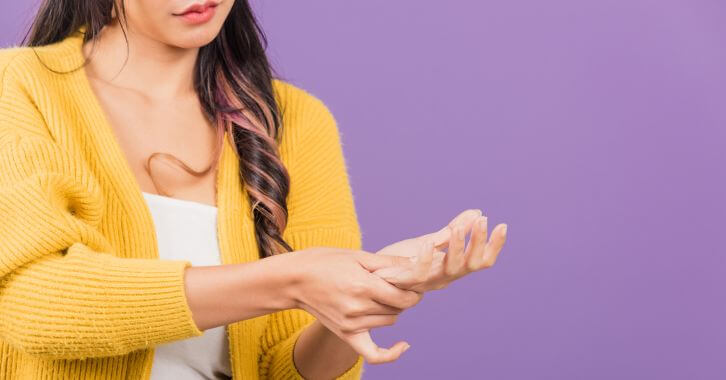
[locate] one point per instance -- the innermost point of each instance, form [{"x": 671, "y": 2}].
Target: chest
[{"x": 178, "y": 128}]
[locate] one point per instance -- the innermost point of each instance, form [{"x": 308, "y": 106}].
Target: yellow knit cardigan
[{"x": 83, "y": 293}]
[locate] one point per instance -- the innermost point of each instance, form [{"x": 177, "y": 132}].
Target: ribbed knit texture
[{"x": 83, "y": 293}]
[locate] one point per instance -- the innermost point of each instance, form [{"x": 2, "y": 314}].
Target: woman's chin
[{"x": 194, "y": 38}]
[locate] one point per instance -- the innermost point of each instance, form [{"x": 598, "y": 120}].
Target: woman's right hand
[{"x": 337, "y": 286}]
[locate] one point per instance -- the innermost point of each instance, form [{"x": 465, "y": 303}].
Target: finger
[
  {"x": 408, "y": 278},
  {"x": 494, "y": 246},
  {"x": 441, "y": 237},
  {"x": 382, "y": 309},
  {"x": 425, "y": 260},
  {"x": 390, "y": 295},
  {"x": 363, "y": 344},
  {"x": 455, "y": 255},
  {"x": 366, "y": 322},
  {"x": 393, "y": 274},
  {"x": 376, "y": 308},
  {"x": 465, "y": 218},
  {"x": 428, "y": 269},
  {"x": 436, "y": 278},
  {"x": 438, "y": 263},
  {"x": 423, "y": 278},
  {"x": 398, "y": 275},
  {"x": 477, "y": 245},
  {"x": 373, "y": 262}
]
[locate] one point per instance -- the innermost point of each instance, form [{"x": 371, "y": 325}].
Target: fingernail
[
  {"x": 504, "y": 229},
  {"x": 406, "y": 348}
]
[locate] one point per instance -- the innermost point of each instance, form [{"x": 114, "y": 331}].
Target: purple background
[{"x": 595, "y": 129}]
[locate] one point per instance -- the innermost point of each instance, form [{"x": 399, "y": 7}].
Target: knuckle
[
  {"x": 347, "y": 326},
  {"x": 357, "y": 289},
  {"x": 449, "y": 271},
  {"x": 422, "y": 277},
  {"x": 353, "y": 310},
  {"x": 413, "y": 299}
]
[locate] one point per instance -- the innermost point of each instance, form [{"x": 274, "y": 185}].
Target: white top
[{"x": 187, "y": 230}]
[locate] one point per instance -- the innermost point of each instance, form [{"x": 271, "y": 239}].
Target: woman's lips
[{"x": 198, "y": 13}]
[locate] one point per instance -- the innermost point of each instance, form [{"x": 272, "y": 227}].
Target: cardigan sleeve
[
  {"x": 322, "y": 213},
  {"x": 63, "y": 293}
]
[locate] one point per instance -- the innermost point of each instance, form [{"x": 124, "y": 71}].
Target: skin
[
  {"x": 435, "y": 269},
  {"x": 150, "y": 103},
  {"x": 431, "y": 269}
]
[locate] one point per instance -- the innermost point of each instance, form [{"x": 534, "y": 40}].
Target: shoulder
[
  {"x": 18, "y": 77},
  {"x": 310, "y": 134},
  {"x": 300, "y": 104},
  {"x": 320, "y": 197},
  {"x": 11, "y": 60},
  {"x": 35, "y": 66},
  {"x": 288, "y": 93},
  {"x": 305, "y": 117},
  {"x": 27, "y": 84}
]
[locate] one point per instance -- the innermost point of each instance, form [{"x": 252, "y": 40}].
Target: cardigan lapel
[{"x": 238, "y": 245}]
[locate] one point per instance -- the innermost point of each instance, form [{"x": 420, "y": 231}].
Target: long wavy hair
[{"x": 233, "y": 80}]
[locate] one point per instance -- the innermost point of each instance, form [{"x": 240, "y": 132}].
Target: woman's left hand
[
  {"x": 435, "y": 269},
  {"x": 432, "y": 269}
]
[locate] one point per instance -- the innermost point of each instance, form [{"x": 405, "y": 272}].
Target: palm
[{"x": 433, "y": 269}]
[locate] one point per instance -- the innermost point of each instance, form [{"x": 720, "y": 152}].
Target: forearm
[
  {"x": 320, "y": 354},
  {"x": 223, "y": 294}
]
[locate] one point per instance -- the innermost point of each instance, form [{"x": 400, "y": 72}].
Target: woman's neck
[{"x": 153, "y": 68}]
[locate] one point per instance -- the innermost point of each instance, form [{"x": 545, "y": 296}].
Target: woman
[{"x": 107, "y": 228}]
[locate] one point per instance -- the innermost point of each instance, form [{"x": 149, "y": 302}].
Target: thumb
[
  {"x": 373, "y": 354},
  {"x": 373, "y": 262}
]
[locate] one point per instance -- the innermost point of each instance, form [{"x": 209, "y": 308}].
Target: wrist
[
  {"x": 283, "y": 270},
  {"x": 318, "y": 341}
]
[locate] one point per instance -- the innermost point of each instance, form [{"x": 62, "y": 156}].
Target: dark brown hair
[{"x": 233, "y": 80}]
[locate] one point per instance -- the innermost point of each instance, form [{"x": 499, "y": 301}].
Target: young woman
[{"x": 168, "y": 209}]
